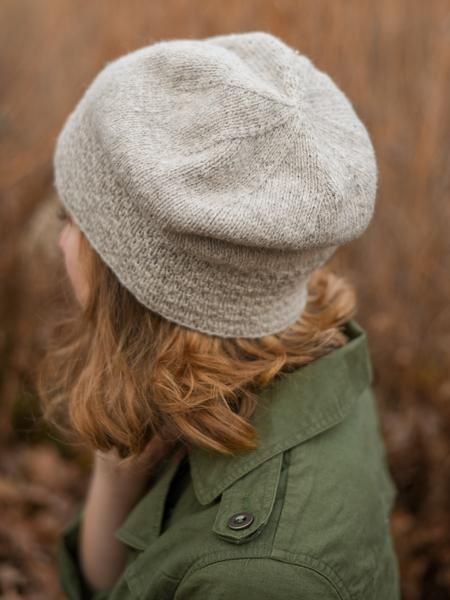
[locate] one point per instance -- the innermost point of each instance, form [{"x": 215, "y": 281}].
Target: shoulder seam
[
  {"x": 321, "y": 567},
  {"x": 301, "y": 561}
]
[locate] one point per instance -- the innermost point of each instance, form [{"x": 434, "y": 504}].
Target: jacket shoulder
[
  {"x": 337, "y": 499},
  {"x": 320, "y": 510}
]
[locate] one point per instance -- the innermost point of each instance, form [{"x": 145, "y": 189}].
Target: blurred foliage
[{"x": 392, "y": 58}]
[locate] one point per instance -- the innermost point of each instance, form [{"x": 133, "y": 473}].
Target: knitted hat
[{"x": 214, "y": 175}]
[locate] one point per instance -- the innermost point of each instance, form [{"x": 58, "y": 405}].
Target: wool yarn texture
[{"x": 214, "y": 175}]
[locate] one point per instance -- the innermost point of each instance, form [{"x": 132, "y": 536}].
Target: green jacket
[{"x": 304, "y": 516}]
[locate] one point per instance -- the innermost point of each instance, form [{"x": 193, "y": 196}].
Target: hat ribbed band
[{"x": 186, "y": 289}]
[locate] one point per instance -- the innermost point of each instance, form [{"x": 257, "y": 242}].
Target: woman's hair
[{"x": 115, "y": 373}]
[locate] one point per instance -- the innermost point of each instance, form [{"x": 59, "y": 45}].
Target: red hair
[{"x": 115, "y": 373}]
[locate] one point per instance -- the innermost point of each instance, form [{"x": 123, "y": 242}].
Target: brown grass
[{"x": 392, "y": 58}]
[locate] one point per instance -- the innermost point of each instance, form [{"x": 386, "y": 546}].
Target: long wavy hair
[{"x": 116, "y": 373}]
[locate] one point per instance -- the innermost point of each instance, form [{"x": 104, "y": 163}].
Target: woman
[{"x": 214, "y": 366}]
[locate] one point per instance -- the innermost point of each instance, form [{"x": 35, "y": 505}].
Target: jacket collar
[{"x": 294, "y": 407}]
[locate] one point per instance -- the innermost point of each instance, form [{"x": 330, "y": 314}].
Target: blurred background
[{"x": 392, "y": 58}]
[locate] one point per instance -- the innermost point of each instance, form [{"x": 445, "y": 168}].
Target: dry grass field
[{"x": 392, "y": 58}]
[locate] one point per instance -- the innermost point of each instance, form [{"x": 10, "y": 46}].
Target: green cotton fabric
[{"x": 318, "y": 489}]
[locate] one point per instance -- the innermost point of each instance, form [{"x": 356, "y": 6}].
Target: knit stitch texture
[{"x": 214, "y": 175}]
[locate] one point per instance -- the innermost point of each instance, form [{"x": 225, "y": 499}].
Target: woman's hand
[
  {"x": 114, "y": 489},
  {"x": 137, "y": 468}
]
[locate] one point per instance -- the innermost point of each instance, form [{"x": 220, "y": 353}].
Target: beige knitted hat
[{"x": 214, "y": 175}]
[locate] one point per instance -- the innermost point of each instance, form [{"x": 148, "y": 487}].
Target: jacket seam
[
  {"x": 221, "y": 557},
  {"x": 285, "y": 464},
  {"x": 318, "y": 565}
]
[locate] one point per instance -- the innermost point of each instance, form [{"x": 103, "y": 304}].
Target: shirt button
[{"x": 240, "y": 520}]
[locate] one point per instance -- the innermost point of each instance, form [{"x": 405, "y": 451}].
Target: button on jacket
[{"x": 304, "y": 516}]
